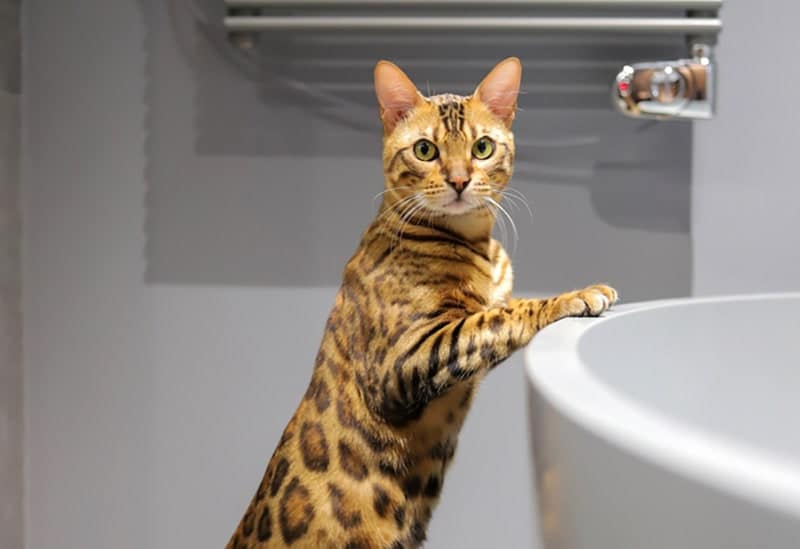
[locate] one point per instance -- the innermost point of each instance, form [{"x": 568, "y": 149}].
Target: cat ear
[
  {"x": 397, "y": 94},
  {"x": 499, "y": 90}
]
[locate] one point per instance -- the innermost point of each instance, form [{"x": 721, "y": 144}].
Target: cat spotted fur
[{"x": 423, "y": 313}]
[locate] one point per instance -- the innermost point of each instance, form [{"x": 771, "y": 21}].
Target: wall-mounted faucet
[{"x": 683, "y": 88}]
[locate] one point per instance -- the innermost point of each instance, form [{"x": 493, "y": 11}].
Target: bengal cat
[{"x": 423, "y": 313}]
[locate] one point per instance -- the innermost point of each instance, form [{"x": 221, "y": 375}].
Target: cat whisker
[
  {"x": 400, "y": 219},
  {"x": 513, "y": 205},
  {"x": 385, "y": 191},
  {"x": 509, "y": 190},
  {"x": 399, "y": 205},
  {"x": 407, "y": 206},
  {"x": 493, "y": 190},
  {"x": 511, "y": 195},
  {"x": 510, "y": 220},
  {"x": 501, "y": 226},
  {"x": 499, "y": 223},
  {"x": 507, "y": 241},
  {"x": 517, "y": 203},
  {"x": 405, "y": 220},
  {"x": 510, "y": 198},
  {"x": 519, "y": 199}
]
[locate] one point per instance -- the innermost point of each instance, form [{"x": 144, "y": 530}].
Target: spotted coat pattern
[{"x": 423, "y": 313}]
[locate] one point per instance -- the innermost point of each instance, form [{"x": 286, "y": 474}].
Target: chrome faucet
[{"x": 683, "y": 88}]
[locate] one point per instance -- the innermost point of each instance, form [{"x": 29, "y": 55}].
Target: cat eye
[
  {"x": 483, "y": 148},
  {"x": 425, "y": 150}
]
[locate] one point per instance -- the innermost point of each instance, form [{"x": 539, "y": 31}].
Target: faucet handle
[{"x": 667, "y": 89}]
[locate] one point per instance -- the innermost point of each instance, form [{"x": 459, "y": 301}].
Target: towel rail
[
  {"x": 700, "y": 5},
  {"x": 678, "y": 88},
  {"x": 697, "y": 25}
]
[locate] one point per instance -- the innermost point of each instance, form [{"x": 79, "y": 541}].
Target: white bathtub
[{"x": 670, "y": 425}]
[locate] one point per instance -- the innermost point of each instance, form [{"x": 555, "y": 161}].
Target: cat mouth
[{"x": 458, "y": 205}]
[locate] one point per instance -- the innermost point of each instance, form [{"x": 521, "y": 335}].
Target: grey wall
[
  {"x": 165, "y": 223},
  {"x": 89, "y": 373},
  {"x": 11, "y": 492},
  {"x": 10, "y": 325},
  {"x": 746, "y": 186},
  {"x": 279, "y": 150}
]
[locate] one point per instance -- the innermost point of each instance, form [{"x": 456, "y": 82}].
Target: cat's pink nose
[{"x": 458, "y": 182}]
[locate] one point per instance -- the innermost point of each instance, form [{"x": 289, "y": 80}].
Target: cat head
[{"x": 447, "y": 155}]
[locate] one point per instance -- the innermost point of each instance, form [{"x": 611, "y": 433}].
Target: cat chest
[{"x": 440, "y": 423}]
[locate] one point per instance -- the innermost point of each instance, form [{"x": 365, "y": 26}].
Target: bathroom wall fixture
[
  {"x": 668, "y": 89},
  {"x": 660, "y": 89}
]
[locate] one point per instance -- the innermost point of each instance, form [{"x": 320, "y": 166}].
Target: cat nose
[{"x": 458, "y": 182}]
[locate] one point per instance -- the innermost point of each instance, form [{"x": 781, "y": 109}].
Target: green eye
[
  {"x": 425, "y": 150},
  {"x": 483, "y": 148}
]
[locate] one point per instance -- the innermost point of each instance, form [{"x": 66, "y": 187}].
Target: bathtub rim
[{"x": 558, "y": 375}]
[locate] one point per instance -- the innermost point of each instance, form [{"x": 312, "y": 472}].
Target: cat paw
[{"x": 591, "y": 301}]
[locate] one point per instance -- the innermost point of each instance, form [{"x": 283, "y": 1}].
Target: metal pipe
[
  {"x": 708, "y": 26},
  {"x": 705, "y": 5}
]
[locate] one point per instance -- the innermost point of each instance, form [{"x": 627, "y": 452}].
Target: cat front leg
[
  {"x": 591, "y": 301},
  {"x": 442, "y": 353},
  {"x": 486, "y": 339}
]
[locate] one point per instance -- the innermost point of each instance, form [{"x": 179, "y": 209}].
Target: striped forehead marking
[{"x": 452, "y": 116}]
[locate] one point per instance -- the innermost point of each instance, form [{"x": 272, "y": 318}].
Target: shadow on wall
[
  {"x": 263, "y": 166},
  {"x": 9, "y": 46},
  {"x": 11, "y": 408}
]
